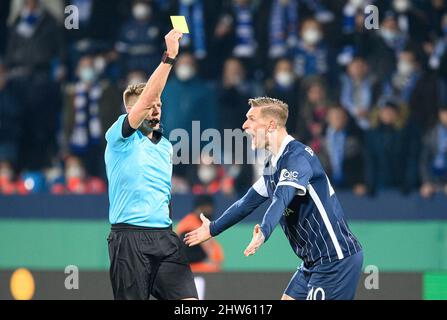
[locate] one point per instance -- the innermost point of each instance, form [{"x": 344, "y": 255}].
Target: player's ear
[{"x": 272, "y": 126}]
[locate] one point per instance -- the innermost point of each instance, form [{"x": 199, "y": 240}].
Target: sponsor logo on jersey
[{"x": 288, "y": 175}]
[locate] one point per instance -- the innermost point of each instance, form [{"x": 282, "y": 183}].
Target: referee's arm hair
[{"x": 151, "y": 95}]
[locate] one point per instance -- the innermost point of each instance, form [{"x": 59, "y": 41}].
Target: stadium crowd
[{"x": 371, "y": 103}]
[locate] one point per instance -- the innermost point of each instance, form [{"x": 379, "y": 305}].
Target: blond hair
[
  {"x": 272, "y": 107},
  {"x": 134, "y": 90}
]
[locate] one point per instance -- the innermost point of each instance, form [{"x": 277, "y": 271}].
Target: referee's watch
[{"x": 167, "y": 60}]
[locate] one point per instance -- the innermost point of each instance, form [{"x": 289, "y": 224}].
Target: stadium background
[{"x": 49, "y": 221}]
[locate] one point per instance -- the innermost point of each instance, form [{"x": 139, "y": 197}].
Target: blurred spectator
[
  {"x": 244, "y": 26},
  {"x": 99, "y": 25},
  {"x": 410, "y": 20},
  {"x": 77, "y": 181},
  {"x": 283, "y": 23},
  {"x": 283, "y": 27},
  {"x": 140, "y": 39},
  {"x": 99, "y": 21},
  {"x": 422, "y": 92},
  {"x": 285, "y": 86},
  {"x": 35, "y": 42},
  {"x": 240, "y": 177},
  {"x": 311, "y": 122},
  {"x": 91, "y": 106},
  {"x": 319, "y": 10},
  {"x": 193, "y": 10},
  {"x": 34, "y": 57},
  {"x": 438, "y": 51},
  {"x": 210, "y": 178},
  {"x": 385, "y": 46},
  {"x": 188, "y": 98},
  {"x": 237, "y": 32},
  {"x": 310, "y": 56},
  {"x": 10, "y": 115},
  {"x": 351, "y": 11},
  {"x": 208, "y": 256},
  {"x": 434, "y": 158},
  {"x": 236, "y": 89},
  {"x": 435, "y": 13},
  {"x": 342, "y": 152},
  {"x": 359, "y": 91},
  {"x": 355, "y": 37},
  {"x": 53, "y": 7},
  {"x": 393, "y": 148},
  {"x": 10, "y": 130}
]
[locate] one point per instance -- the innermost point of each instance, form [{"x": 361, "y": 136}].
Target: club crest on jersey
[
  {"x": 310, "y": 151},
  {"x": 288, "y": 175}
]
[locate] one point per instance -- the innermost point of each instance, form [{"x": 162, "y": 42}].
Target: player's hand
[
  {"x": 256, "y": 242},
  {"x": 199, "y": 235},
  {"x": 172, "y": 40}
]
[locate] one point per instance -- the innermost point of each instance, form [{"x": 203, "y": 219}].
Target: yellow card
[{"x": 179, "y": 24}]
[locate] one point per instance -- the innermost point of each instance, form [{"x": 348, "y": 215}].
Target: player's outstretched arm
[
  {"x": 199, "y": 235},
  {"x": 154, "y": 87},
  {"x": 238, "y": 211}
]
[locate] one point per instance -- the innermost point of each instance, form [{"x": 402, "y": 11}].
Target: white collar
[{"x": 284, "y": 144}]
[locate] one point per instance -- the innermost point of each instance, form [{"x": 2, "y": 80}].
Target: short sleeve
[
  {"x": 114, "y": 136},
  {"x": 260, "y": 188},
  {"x": 296, "y": 172}
]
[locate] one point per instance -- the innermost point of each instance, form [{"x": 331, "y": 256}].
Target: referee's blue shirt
[{"x": 139, "y": 174}]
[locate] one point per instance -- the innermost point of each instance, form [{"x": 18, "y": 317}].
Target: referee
[{"x": 146, "y": 256}]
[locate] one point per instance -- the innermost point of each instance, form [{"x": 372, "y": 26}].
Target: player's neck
[{"x": 278, "y": 138}]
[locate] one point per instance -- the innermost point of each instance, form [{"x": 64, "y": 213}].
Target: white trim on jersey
[
  {"x": 301, "y": 189},
  {"x": 260, "y": 188},
  {"x": 326, "y": 221},
  {"x": 284, "y": 144}
]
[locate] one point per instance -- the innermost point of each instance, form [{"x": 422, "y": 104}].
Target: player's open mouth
[{"x": 154, "y": 122}]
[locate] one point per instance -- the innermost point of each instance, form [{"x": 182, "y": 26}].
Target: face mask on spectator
[
  {"x": 311, "y": 36},
  {"x": 185, "y": 72},
  {"x": 100, "y": 64},
  {"x": 405, "y": 68},
  {"x": 206, "y": 173},
  {"x": 87, "y": 74},
  {"x": 388, "y": 35},
  {"x": 141, "y": 11},
  {"x": 401, "y": 6},
  {"x": 284, "y": 78}
]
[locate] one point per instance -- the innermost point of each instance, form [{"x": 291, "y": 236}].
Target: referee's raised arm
[{"x": 154, "y": 87}]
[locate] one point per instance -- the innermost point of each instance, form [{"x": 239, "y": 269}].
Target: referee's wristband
[{"x": 166, "y": 59}]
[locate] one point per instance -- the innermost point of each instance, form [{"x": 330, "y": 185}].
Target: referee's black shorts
[{"x": 146, "y": 261}]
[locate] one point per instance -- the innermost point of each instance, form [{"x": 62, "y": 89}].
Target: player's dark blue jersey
[{"x": 304, "y": 203}]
